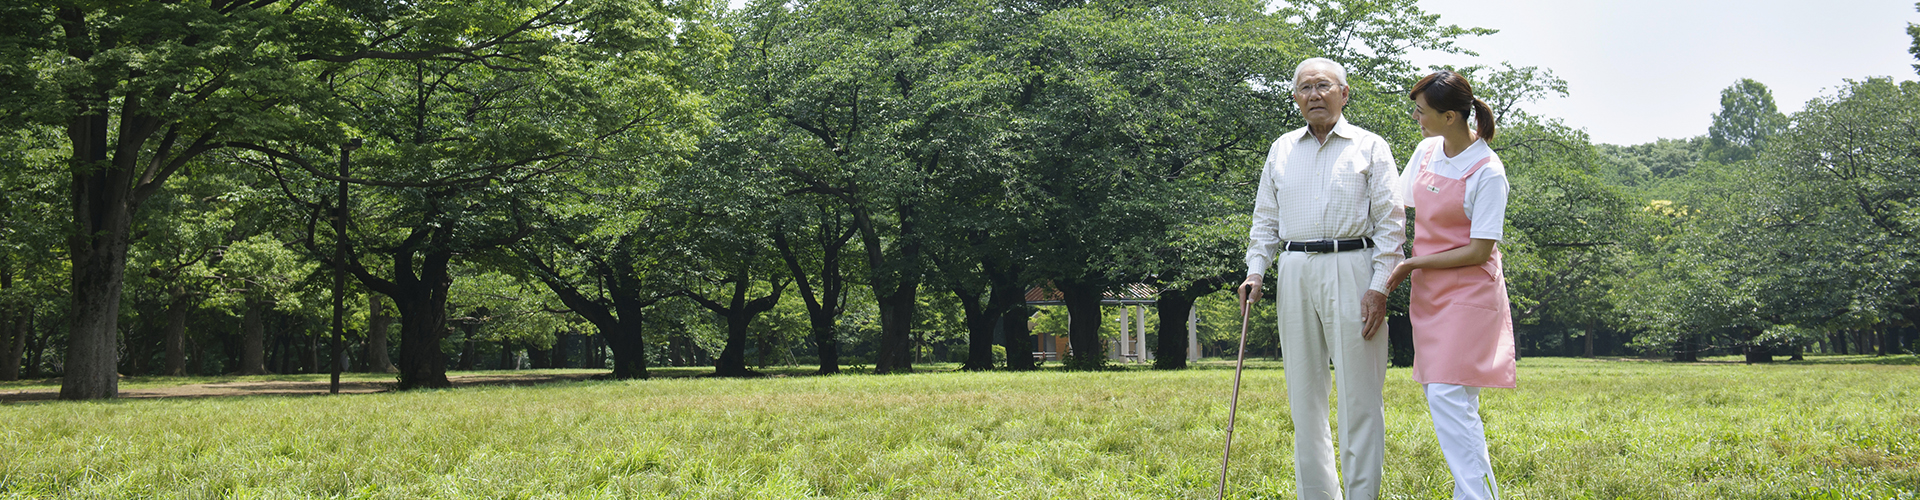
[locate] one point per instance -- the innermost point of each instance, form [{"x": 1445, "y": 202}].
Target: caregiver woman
[{"x": 1462, "y": 335}]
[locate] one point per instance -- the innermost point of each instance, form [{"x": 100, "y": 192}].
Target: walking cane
[{"x": 1233, "y": 408}]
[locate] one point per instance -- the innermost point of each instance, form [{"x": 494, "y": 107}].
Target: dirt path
[{"x": 287, "y": 388}]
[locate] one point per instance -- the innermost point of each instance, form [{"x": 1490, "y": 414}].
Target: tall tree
[
  {"x": 817, "y": 238},
  {"x": 143, "y": 88},
  {"x": 609, "y": 287},
  {"x": 1746, "y": 119}
]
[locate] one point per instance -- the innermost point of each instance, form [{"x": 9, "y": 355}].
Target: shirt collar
[
  {"x": 1474, "y": 152},
  {"x": 1340, "y": 129}
]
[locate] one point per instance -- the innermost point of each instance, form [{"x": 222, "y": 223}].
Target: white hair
[{"x": 1339, "y": 72}]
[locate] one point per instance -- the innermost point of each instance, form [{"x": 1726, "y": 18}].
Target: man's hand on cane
[{"x": 1249, "y": 292}]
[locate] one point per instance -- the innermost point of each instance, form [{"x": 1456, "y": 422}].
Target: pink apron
[{"x": 1462, "y": 333}]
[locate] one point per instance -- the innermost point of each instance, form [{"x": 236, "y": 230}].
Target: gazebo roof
[{"x": 1128, "y": 294}]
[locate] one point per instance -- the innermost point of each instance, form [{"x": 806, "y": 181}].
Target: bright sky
[{"x": 1638, "y": 70}]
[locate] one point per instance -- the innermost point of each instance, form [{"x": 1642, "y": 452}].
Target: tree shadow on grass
[{"x": 1865, "y": 359}]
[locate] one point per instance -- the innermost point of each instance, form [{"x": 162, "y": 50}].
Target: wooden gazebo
[{"x": 1131, "y": 345}]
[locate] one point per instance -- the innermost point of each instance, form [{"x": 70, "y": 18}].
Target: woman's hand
[{"x": 1401, "y": 272}]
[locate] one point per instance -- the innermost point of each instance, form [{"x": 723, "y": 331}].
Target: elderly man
[{"x": 1329, "y": 207}]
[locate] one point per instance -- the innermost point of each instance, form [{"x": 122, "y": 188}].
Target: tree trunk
[
  {"x": 176, "y": 335},
  {"x": 1085, "y": 319},
  {"x": 36, "y": 347},
  {"x": 626, "y": 337},
  {"x": 313, "y": 348},
  {"x": 99, "y": 263},
  {"x": 896, "y": 329},
  {"x": 629, "y": 347},
  {"x": 1018, "y": 339},
  {"x": 824, "y": 306},
  {"x": 22, "y": 328},
  {"x": 1683, "y": 350},
  {"x": 282, "y": 347},
  {"x": 378, "y": 324},
  {"x": 102, "y": 206},
  {"x": 9, "y": 367},
  {"x": 1756, "y": 351},
  {"x": 253, "y": 338},
  {"x": 423, "y": 323},
  {"x": 1592, "y": 331},
  {"x": 1170, "y": 352},
  {"x": 733, "y": 358},
  {"x": 827, "y": 343},
  {"x": 1004, "y": 277},
  {"x": 980, "y": 324},
  {"x": 466, "y": 350},
  {"x": 597, "y": 355}
]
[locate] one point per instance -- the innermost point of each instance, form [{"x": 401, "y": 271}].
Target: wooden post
[
  {"x": 340, "y": 270},
  {"x": 1140, "y": 329}
]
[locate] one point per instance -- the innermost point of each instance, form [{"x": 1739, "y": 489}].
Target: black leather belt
[{"x": 1329, "y": 246}]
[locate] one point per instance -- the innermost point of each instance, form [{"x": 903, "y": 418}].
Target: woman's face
[{"x": 1431, "y": 121}]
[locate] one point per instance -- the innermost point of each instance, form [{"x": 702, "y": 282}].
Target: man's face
[{"x": 1320, "y": 96}]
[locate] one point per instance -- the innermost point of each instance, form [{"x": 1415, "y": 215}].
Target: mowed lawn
[{"x": 1835, "y": 427}]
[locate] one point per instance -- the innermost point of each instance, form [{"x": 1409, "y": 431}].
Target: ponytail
[
  {"x": 1448, "y": 91},
  {"x": 1483, "y": 115}
]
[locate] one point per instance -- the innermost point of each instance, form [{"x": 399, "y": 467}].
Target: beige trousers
[{"x": 1318, "y": 299}]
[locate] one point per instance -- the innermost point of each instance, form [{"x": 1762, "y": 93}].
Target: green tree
[
  {"x": 1746, "y": 119},
  {"x": 872, "y": 94},
  {"x": 1849, "y": 179},
  {"x": 142, "y": 89}
]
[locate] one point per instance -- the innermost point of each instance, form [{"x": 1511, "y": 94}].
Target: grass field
[{"x": 1830, "y": 428}]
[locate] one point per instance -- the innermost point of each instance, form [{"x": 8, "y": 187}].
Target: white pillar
[
  {"x": 1124, "y": 347},
  {"x": 1146, "y": 353},
  {"x": 1193, "y": 332}
]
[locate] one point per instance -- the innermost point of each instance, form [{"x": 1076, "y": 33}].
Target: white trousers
[
  {"x": 1318, "y": 298},
  {"x": 1463, "y": 440}
]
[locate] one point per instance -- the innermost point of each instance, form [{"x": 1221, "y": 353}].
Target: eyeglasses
[{"x": 1321, "y": 88}]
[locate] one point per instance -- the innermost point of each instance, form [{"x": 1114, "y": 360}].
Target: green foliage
[
  {"x": 1746, "y": 119},
  {"x": 1564, "y": 223},
  {"x": 1644, "y": 165},
  {"x": 1812, "y": 236},
  {"x": 503, "y": 309},
  {"x": 1913, "y": 30}
]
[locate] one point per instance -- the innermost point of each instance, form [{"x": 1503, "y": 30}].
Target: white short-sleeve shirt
[{"x": 1486, "y": 196}]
